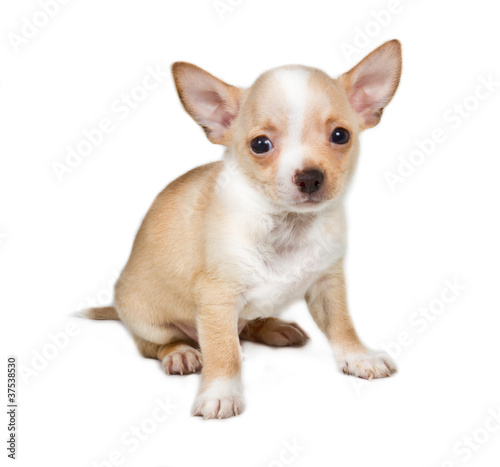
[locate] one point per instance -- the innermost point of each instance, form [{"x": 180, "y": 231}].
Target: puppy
[{"x": 228, "y": 245}]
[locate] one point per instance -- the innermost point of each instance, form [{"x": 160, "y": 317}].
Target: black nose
[{"x": 309, "y": 181}]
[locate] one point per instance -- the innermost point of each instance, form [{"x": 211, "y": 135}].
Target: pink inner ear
[
  {"x": 371, "y": 92},
  {"x": 212, "y": 111},
  {"x": 371, "y": 84}
]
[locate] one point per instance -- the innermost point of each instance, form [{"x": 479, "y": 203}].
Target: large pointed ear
[
  {"x": 212, "y": 103},
  {"x": 371, "y": 84}
]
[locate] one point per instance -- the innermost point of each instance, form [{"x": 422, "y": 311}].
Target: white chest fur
[
  {"x": 285, "y": 261},
  {"x": 274, "y": 258}
]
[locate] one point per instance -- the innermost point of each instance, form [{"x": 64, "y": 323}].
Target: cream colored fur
[{"x": 227, "y": 246}]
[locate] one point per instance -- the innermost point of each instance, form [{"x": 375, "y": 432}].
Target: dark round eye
[
  {"x": 261, "y": 145},
  {"x": 340, "y": 136}
]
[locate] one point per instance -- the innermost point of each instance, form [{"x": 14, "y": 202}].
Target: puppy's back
[{"x": 168, "y": 251}]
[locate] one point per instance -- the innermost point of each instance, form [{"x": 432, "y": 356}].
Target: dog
[{"x": 228, "y": 245}]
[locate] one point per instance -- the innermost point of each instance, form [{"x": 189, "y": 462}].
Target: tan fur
[
  {"x": 275, "y": 332},
  {"x": 105, "y": 312},
  {"x": 182, "y": 286},
  {"x": 391, "y": 61},
  {"x": 186, "y": 76},
  {"x": 327, "y": 303},
  {"x": 328, "y": 108}
]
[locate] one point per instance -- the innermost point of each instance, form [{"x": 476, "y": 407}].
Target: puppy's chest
[{"x": 283, "y": 265}]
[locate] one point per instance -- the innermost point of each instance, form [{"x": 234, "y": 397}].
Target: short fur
[{"x": 230, "y": 244}]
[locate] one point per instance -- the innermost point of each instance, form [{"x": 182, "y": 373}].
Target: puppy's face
[
  {"x": 295, "y": 132},
  {"x": 296, "y": 137}
]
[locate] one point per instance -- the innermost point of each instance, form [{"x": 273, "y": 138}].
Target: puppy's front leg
[
  {"x": 327, "y": 303},
  {"x": 221, "y": 392}
]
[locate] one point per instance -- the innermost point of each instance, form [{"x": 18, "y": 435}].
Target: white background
[{"x": 63, "y": 242}]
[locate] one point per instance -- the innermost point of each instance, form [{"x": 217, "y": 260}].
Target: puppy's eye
[
  {"x": 340, "y": 136},
  {"x": 261, "y": 145}
]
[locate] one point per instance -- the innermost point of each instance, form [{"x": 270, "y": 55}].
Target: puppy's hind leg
[
  {"x": 274, "y": 332},
  {"x": 180, "y": 356}
]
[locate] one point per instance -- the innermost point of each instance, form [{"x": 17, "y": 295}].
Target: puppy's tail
[{"x": 103, "y": 312}]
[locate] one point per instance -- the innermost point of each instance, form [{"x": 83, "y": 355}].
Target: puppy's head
[{"x": 295, "y": 132}]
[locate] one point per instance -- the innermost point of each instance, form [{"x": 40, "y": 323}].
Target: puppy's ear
[
  {"x": 371, "y": 84},
  {"x": 212, "y": 103}
]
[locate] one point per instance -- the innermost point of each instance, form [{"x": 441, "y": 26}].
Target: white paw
[
  {"x": 367, "y": 365},
  {"x": 222, "y": 399}
]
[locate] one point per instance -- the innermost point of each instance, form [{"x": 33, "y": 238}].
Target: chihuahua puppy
[{"x": 228, "y": 245}]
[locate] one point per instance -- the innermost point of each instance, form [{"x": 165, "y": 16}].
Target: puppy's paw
[
  {"x": 285, "y": 334},
  {"x": 181, "y": 361},
  {"x": 222, "y": 399},
  {"x": 275, "y": 332},
  {"x": 367, "y": 365}
]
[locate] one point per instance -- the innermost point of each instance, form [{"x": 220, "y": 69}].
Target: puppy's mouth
[
  {"x": 295, "y": 200},
  {"x": 312, "y": 200}
]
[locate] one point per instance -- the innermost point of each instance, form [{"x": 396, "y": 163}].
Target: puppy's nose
[{"x": 309, "y": 181}]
